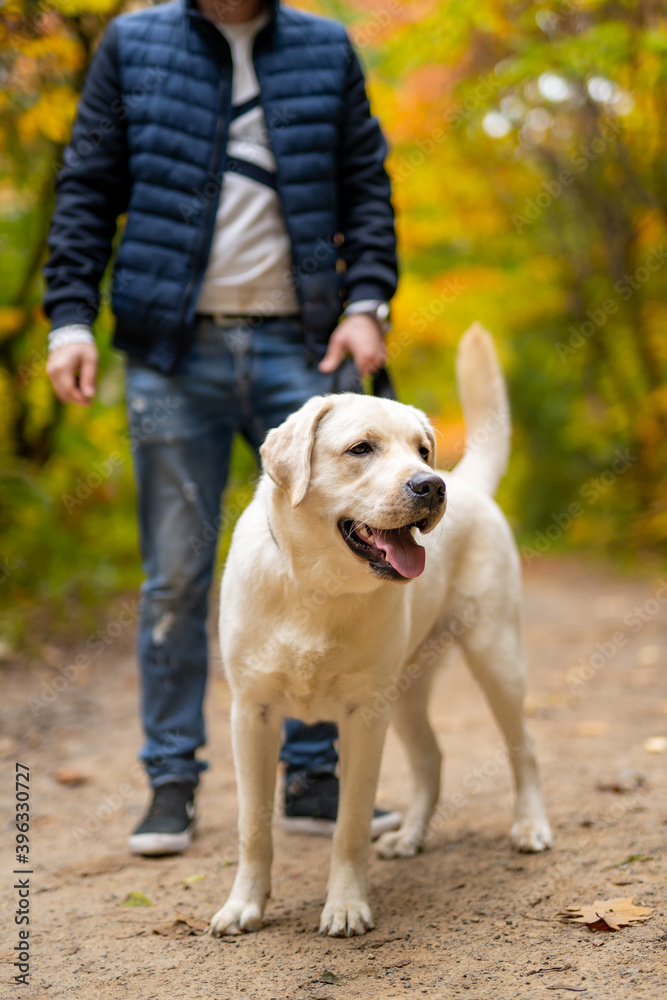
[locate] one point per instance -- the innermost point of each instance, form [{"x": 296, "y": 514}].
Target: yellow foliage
[
  {"x": 73, "y": 8},
  {"x": 11, "y": 319},
  {"x": 51, "y": 116},
  {"x": 65, "y": 53},
  {"x": 8, "y": 408}
]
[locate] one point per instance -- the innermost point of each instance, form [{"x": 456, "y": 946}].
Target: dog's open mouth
[{"x": 392, "y": 553}]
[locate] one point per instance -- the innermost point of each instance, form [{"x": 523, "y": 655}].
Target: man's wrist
[
  {"x": 75, "y": 333},
  {"x": 375, "y": 308}
]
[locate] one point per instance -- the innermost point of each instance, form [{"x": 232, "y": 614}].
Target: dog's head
[{"x": 361, "y": 469}]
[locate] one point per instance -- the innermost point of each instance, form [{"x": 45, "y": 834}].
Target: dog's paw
[
  {"x": 235, "y": 917},
  {"x": 399, "y": 844},
  {"x": 531, "y": 835},
  {"x": 342, "y": 919}
]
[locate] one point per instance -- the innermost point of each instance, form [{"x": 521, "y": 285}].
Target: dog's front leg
[
  {"x": 256, "y": 742},
  {"x": 347, "y": 911}
]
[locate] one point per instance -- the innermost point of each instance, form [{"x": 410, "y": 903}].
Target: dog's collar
[{"x": 272, "y": 535}]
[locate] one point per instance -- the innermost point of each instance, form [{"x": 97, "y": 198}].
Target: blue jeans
[{"x": 246, "y": 379}]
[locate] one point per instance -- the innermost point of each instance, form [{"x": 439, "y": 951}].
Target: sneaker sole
[
  {"x": 160, "y": 843},
  {"x": 326, "y": 827}
]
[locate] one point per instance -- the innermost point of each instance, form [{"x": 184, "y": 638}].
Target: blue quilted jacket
[{"x": 149, "y": 140}]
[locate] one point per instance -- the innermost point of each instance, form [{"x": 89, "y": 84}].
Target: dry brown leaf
[
  {"x": 625, "y": 781},
  {"x": 181, "y": 927},
  {"x": 609, "y": 913},
  {"x": 69, "y": 776}
]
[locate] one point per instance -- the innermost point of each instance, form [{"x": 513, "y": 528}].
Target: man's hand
[
  {"x": 72, "y": 369},
  {"x": 360, "y": 337}
]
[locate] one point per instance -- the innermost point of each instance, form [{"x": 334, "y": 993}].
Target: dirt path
[{"x": 468, "y": 918}]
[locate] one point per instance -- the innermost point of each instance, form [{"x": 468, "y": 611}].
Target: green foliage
[{"x": 528, "y": 157}]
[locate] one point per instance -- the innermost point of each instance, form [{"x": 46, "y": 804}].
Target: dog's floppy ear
[{"x": 287, "y": 449}]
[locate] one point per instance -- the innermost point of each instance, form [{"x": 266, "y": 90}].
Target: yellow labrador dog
[{"x": 329, "y": 599}]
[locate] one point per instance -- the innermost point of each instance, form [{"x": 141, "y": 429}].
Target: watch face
[{"x": 382, "y": 312}]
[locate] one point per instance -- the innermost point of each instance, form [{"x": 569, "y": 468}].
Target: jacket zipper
[
  {"x": 211, "y": 209},
  {"x": 275, "y": 159}
]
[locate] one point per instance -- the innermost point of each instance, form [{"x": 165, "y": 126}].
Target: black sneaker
[
  {"x": 311, "y": 806},
  {"x": 168, "y": 824}
]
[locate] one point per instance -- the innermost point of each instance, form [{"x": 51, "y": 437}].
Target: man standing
[{"x": 236, "y": 137}]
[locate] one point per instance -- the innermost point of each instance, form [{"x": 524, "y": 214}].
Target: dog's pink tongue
[{"x": 401, "y": 551}]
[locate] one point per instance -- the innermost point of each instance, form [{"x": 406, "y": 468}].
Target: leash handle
[{"x": 347, "y": 379}]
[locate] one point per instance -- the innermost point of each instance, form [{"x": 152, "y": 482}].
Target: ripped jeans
[{"x": 244, "y": 379}]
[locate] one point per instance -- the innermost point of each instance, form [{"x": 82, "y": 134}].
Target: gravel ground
[{"x": 467, "y": 918}]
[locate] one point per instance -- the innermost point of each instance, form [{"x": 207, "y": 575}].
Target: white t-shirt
[{"x": 249, "y": 266}]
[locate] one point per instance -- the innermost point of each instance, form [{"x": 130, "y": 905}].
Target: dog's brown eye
[
  {"x": 425, "y": 453},
  {"x": 363, "y": 448}
]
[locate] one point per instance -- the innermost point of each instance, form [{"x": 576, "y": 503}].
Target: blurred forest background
[{"x": 529, "y": 160}]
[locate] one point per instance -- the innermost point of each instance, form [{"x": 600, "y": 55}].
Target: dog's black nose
[{"x": 427, "y": 486}]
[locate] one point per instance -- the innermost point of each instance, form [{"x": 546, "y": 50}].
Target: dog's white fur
[{"x": 310, "y": 630}]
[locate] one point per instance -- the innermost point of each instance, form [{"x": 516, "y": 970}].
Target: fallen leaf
[
  {"x": 625, "y": 781},
  {"x": 554, "y": 968},
  {"x": 656, "y": 744},
  {"x": 379, "y": 942},
  {"x": 330, "y": 977},
  {"x": 191, "y": 879},
  {"x": 181, "y": 927},
  {"x": 136, "y": 899},
  {"x": 542, "y": 702},
  {"x": 69, "y": 776},
  {"x": 609, "y": 913},
  {"x": 562, "y": 986},
  {"x": 629, "y": 861}
]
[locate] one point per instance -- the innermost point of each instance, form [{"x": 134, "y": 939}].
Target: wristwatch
[{"x": 371, "y": 307}]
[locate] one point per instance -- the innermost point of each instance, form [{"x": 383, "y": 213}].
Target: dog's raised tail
[{"x": 485, "y": 410}]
